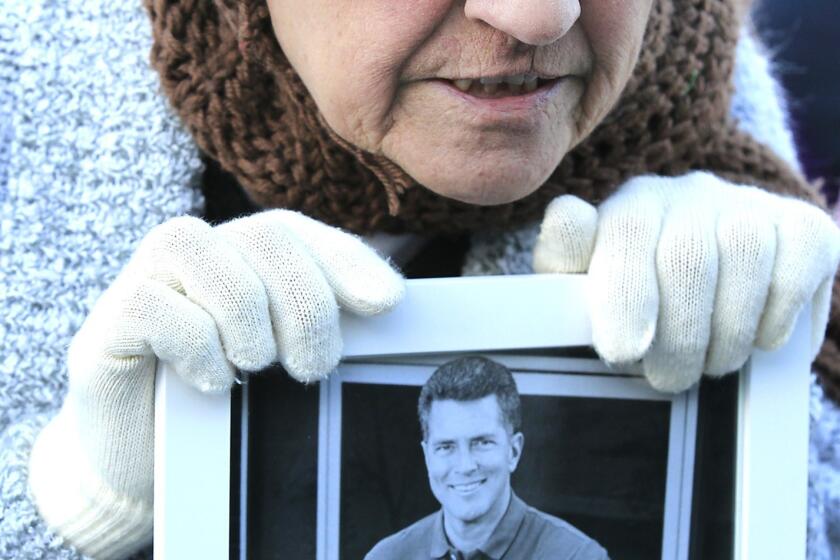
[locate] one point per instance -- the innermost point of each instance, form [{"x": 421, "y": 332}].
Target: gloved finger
[
  {"x": 187, "y": 255},
  {"x": 806, "y": 254},
  {"x": 746, "y": 252},
  {"x": 153, "y": 321},
  {"x": 363, "y": 282},
  {"x": 567, "y": 236},
  {"x": 623, "y": 294},
  {"x": 304, "y": 313},
  {"x": 687, "y": 273}
]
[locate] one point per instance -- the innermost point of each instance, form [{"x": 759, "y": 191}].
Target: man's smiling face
[{"x": 470, "y": 454}]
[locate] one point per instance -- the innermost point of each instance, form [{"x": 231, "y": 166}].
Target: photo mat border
[
  {"x": 192, "y": 467},
  {"x": 533, "y": 377}
]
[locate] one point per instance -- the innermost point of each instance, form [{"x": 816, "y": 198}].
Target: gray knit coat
[{"x": 91, "y": 159}]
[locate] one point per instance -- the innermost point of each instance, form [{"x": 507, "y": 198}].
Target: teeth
[
  {"x": 516, "y": 84},
  {"x": 510, "y": 80},
  {"x": 463, "y": 85},
  {"x": 468, "y": 487}
]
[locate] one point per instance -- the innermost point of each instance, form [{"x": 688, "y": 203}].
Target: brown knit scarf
[{"x": 227, "y": 78}]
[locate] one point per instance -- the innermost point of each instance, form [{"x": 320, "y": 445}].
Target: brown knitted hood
[{"x": 227, "y": 78}]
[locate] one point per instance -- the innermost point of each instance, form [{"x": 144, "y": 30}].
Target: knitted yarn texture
[
  {"x": 758, "y": 110},
  {"x": 224, "y": 72},
  {"x": 689, "y": 273},
  {"x": 91, "y": 160},
  {"x": 204, "y": 300},
  {"x": 227, "y": 78}
]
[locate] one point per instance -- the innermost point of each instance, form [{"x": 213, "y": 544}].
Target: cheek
[
  {"x": 355, "y": 102},
  {"x": 501, "y": 462},
  {"x": 437, "y": 469},
  {"x": 353, "y": 65},
  {"x": 615, "y": 30}
]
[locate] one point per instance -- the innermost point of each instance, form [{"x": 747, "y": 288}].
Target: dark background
[
  {"x": 804, "y": 37},
  {"x": 599, "y": 464},
  {"x": 282, "y": 468}
]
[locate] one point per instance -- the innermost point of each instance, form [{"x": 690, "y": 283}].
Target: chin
[
  {"x": 467, "y": 512},
  {"x": 470, "y": 516},
  {"x": 482, "y": 189}
]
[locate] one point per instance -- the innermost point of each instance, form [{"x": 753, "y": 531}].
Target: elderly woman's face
[{"x": 477, "y": 100}]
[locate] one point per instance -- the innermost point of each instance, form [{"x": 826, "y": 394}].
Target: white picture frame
[{"x": 483, "y": 314}]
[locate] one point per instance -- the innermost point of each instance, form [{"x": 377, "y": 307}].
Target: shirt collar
[
  {"x": 440, "y": 544},
  {"x": 500, "y": 540},
  {"x": 502, "y": 537}
]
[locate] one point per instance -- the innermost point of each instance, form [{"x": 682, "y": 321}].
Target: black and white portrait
[
  {"x": 501, "y": 456},
  {"x": 470, "y": 414}
]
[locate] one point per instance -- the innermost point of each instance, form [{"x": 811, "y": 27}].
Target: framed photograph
[{"x": 383, "y": 460}]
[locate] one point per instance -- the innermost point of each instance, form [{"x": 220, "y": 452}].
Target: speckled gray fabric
[
  {"x": 824, "y": 479},
  {"x": 90, "y": 160},
  {"x": 8, "y": 52}
]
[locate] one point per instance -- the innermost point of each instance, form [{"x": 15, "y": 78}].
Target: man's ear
[
  {"x": 425, "y": 447},
  {"x": 517, "y": 443}
]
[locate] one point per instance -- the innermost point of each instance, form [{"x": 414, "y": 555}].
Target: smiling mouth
[
  {"x": 468, "y": 487},
  {"x": 508, "y": 86}
]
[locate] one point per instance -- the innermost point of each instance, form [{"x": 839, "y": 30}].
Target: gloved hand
[
  {"x": 208, "y": 300},
  {"x": 690, "y": 273}
]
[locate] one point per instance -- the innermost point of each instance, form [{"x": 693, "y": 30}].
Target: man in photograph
[{"x": 470, "y": 415}]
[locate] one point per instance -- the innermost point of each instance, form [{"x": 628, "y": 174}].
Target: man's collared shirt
[{"x": 524, "y": 533}]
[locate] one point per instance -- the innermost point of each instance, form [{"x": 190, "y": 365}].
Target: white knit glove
[
  {"x": 207, "y": 300},
  {"x": 689, "y": 273}
]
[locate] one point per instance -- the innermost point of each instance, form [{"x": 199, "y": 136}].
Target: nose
[
  {"x": 466, "y": 462},
  {"x": 533, "y": 22}
]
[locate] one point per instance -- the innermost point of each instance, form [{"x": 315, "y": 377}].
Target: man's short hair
[{"x": 469, "y": 379}]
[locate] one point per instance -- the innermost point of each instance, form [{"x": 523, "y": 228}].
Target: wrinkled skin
[
  {"x": 374, "y": 70},
  {"x": 383, "y": 75}
]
